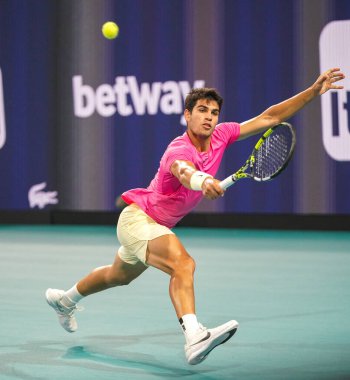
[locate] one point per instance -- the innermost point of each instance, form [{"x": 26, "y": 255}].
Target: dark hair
[{"x": 202, "y": 93}]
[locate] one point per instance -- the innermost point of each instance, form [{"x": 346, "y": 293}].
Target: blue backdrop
[{"x": 83, "y": 119}]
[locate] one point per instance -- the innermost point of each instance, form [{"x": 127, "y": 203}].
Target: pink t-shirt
[{"x": 165, "y": 200}]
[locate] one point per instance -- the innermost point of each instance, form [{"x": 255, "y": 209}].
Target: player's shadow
[{"x": 132, "y": 363}]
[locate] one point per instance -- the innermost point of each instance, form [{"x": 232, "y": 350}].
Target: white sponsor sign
[
  {"x": 335, "y": 52},
  {"x": 126, "y": 97},
  {"x": 2, "y": 114},
  {"x": 38, "y": 197}
]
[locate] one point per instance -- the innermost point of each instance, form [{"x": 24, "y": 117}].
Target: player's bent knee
[{"x": 185, "y": 266}]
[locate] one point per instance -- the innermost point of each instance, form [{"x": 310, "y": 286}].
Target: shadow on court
[
  {"x": 123, "y": 364},
  {"x": 288, "y": 290}
]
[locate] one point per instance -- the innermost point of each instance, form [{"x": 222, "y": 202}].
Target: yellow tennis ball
[{"x": 110, "y": 30}]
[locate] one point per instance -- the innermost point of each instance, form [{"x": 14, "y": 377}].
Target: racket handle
[{"x": 227, "y": 182}]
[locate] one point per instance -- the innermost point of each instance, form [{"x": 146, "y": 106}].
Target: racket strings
[{"x": 273, "y": 154}]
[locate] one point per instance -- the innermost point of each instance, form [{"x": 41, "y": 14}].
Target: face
[{"x": 203, "y": 118}]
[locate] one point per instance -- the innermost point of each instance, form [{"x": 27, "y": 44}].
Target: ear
[{"x": 187, "y": 115}]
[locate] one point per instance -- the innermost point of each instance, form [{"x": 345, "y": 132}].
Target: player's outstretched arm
[
  {"x": 286, "y": 109},
  {"x": 191, "y": 178}
]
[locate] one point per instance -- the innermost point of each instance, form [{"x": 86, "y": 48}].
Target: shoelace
[{"x": 69, "y": 310}]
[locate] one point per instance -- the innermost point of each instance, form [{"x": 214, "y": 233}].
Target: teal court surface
[{"x": 289, "y": 290}]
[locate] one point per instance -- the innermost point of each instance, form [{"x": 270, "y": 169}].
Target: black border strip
[{"x": 209, "y": 220}]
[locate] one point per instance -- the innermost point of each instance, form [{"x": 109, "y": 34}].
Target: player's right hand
[{"x": 211, "y": 189}]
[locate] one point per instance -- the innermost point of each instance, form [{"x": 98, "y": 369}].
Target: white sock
[
  {"x": 189, "y": 324},
  {"x": 71, "y": 296}
]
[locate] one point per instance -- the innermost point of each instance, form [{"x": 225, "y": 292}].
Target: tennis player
[{"x": 186, "y": 174}]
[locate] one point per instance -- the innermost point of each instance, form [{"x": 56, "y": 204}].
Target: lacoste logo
[
  {"x": 40, "y": 198},
  {"x": 2, "y": 114}
]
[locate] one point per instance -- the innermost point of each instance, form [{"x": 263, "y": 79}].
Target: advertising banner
[{"x": 84, "y": 118}]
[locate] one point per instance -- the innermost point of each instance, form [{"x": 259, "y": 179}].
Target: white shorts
[{"x": 134, "y": 229}]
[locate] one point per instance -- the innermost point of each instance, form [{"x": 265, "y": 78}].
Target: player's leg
[
  {"x": 65, "y": 302},
  {"x": 118, "y": 274},
  {"x": 168, "y": 254},
  {"x": 125, "y": 268}
]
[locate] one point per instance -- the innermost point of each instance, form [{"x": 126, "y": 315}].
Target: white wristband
[{"x": 197, "y": 180}]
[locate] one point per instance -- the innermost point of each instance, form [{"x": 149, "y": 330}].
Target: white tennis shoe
[
  {"x": 203, "y": 342},
  {"x": 65, "y": 314}
]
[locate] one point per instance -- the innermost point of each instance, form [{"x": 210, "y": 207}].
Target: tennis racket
[{"x": 269, "y": 158}]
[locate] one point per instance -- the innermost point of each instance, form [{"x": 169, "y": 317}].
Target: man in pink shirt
[
  {"x": 186, "y": 174},
  {"x": 166, "y": 200}
]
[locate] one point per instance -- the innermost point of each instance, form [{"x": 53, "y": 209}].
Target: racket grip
[{"x": 227, "y": 182}]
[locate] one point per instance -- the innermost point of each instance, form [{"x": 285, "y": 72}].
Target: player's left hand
[{"x": 326, "y": 81}]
